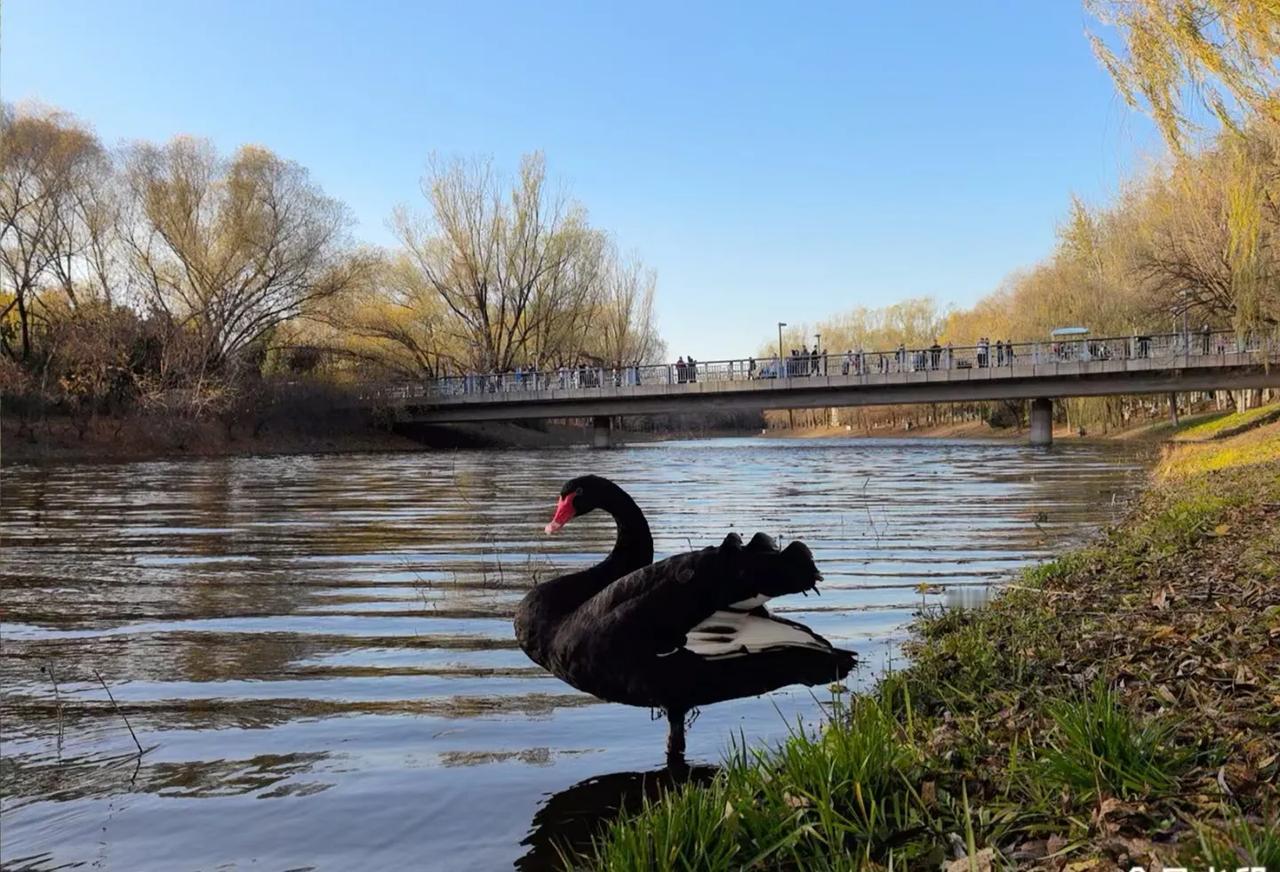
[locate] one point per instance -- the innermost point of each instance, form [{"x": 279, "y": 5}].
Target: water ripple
[{"x": 332, "y": 633}]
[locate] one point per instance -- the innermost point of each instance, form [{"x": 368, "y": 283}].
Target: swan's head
[{"x": 578, "y": 496}]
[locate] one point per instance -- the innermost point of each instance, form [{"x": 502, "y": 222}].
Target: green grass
[
  {"x": 869, "y": 791},
  {"x": 1188, "y": 517},
  {"x": 690, "y": 828},
  {"x": 1259, "y": 445},
  {"x": 1226, "y": 423},
  {"x": 1167, "y": 429},
  {"x": 1100, "y": 749},
  {"x": 1238, "y": 842},
  {"x": 821, "y": 800},
  {"x": 1128, "y": 688}
]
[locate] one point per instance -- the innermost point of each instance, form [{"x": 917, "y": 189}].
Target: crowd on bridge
[
  {"x": 532, "y": 379},
  {"x": 804, "y": 362},
  {"x": 808, "y": 362}
]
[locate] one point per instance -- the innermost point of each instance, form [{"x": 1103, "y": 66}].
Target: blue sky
[{"x": 771, "y": 163}]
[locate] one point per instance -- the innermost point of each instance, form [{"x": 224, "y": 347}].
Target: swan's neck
[
  {"x": 550, "y": 603},
  {"x": 632, "y": 549}
]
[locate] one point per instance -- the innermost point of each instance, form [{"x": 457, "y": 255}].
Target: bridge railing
[{"x": 988, "y": 358}]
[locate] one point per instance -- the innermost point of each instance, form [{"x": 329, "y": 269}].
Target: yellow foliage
[{"x": 1220, "y": 54}]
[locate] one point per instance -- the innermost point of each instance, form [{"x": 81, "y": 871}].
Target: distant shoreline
[{"x": 1148, "y": 430}]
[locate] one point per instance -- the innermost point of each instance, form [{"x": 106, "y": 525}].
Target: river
[{"x": 316, "y": 651}]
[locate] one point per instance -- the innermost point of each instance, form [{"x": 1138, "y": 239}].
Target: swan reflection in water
[{"x": 568, "y": 820}]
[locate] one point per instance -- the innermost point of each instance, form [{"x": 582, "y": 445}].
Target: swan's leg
[
  {"x": 675, "y": 738},
  {"x": 691, "y": 718}
]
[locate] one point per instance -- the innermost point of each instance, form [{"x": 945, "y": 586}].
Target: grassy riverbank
[
  {"x": 1193, "y": 427},
  {"x": 1119, "y": 706}
]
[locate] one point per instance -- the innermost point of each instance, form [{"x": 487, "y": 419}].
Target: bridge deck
[{"x": 721, "y": 386}]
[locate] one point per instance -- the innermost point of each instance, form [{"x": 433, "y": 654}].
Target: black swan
[{"x": 677, "y": 634}]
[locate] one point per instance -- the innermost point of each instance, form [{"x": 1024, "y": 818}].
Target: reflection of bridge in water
[{"x": 1039, "y": 372}]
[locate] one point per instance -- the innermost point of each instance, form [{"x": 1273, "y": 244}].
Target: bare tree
[
  {"x": 228, "y": 249},
  {"x": 48, "y": 167},
  {"x": 515, "y": 268},
  {"x": 86, "y": 255},
  {"x": 560, "y": 325},
  {"x": 624, "y": 327}
]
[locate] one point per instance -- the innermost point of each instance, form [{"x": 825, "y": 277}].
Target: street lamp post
[{"x": 791, "y": 414}]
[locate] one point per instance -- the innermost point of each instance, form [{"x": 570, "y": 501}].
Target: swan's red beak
[{"x": 564, "y": 513}]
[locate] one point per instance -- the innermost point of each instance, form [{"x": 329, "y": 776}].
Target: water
[{"x": 317, "y": 652}]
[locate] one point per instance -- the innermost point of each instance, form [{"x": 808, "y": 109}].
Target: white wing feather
[{"x": 736, "y": 634}]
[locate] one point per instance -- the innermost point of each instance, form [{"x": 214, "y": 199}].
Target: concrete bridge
[{"x": 1038, "y": 372}]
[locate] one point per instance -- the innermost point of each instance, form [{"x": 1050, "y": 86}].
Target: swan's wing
[
  {"x": 658, "y": 608},
  {"x": 761, "y": 543},
  {"x": 732, "y": 633}
]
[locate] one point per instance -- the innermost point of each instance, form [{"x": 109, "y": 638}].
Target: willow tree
[
  {"x": 1178, "y": 58},
  {"x": 397, "y": 322},
  {"x": 558, "y": 326},
  {"x": 1178, "y": 55},
  {"x": 227, "y": 249},
  {"x": 914, "y": 322},
  {"x": 992, "y": 316},
  {"x": 624, "y": 329},
  {"x": 516, "y": 266}
]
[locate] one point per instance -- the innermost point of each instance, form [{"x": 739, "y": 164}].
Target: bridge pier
[
  {"x": 601, "y": 431},
  {"x": 1042, "y": 422}
]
